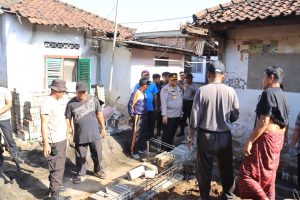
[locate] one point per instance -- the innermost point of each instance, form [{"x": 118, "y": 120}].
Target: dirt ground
[{"x": 32, "y": 182}]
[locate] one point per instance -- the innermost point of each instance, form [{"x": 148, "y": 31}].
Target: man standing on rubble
[
  {"x": 171, "y": 106},
  {"x": 5, "y": 115},
  {"x": 215, "y": 107},
  {"x": 54, "y": 133},
  {"x": 85, "y": 110}
]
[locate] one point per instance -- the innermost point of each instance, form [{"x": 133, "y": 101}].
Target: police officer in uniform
[{"x": 171, "y": 106}]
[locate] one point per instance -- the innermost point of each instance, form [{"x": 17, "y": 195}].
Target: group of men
[
  {"x": 214, "y": 108},
  {"x": 211, "y": 109},
  {"x": 88, "y": 129},
  {"x": 160, "y": 103}
]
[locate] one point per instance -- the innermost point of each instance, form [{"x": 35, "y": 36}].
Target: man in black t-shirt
[{"x": 85, "y": 110}]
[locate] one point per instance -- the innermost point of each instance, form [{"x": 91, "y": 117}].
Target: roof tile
[
  {"x": 54, "y": 12},
  {"x": 244, "y": 9}
]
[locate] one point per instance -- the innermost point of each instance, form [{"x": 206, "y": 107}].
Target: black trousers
[
  {"x": 169, "y": 131},
  {"x": 187, "y": 109},
  {"x": 150, "y": 126},
  {"x": 158, "y": 122},
  {"x": 210, "y": 145},
  {"x": 139, "y": 129},
  {"x": 96, "y": 154},
  {"x": 7, "y": 133},
  {"x": 57, "y": 166}
]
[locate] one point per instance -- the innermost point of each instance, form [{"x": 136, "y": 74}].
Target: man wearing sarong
[
  {"x": 262, "y": 149},
  {"x": 215, "y": 108}
]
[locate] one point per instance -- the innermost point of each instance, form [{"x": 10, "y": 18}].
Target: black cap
[
  {"x": 189, "y": 76},
  {"x": 173, "y": 76},
  {"x": 164, "y": 74},
  {"x": 277, "y": 72},
  {"x": 216, "y": 67},
  {"x": 144, "y": 81},
  {"x": 81, "y": 87}
]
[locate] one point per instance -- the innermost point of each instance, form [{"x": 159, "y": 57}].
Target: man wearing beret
[
  {"x": 86, "y": 112},
  {"x": 171, "y": 106}
]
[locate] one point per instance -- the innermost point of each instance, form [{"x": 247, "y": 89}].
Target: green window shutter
[
  {"x": 84, "y": 72},
  {"x": 53, "y": 69}
]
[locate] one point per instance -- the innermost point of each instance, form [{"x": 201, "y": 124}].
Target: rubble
[
  {"x": 164, "y": 159},
  {"x": 115, "y": 192},
  {"x": 136, "y": 172}
]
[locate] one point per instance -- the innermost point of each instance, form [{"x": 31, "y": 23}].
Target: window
[
  {"x": 70, "y": 70},
  {"x": 197, "y": 65},
  {"x": 161, "y": 61}
]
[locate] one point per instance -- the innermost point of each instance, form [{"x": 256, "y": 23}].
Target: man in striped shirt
[{"x": 137, "y": 109}]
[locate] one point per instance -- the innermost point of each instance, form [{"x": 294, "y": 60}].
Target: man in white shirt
[
  {"x": 5, "y": 115},
  {"x": 54, "y": 133}
]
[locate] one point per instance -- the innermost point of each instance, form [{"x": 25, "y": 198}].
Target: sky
[{"x": 147, "y": 10}]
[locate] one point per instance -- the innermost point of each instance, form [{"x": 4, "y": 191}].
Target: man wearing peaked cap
[
  {"x": 171, "y": 106},
  {"x": 54, "y": 133}
]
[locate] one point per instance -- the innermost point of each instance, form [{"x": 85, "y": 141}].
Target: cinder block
[
  {"x": 151, "y": 167},
  {"x": 34, "y": 110},
  {"x": 150, "y": 174},
  {"x": 136, "y": 172},
  {"x": 181, "y": 153},
  {"x": 164, "y": 159},
  {"x": 23, "y": 134},
  {"x": 27, "y": 123}
]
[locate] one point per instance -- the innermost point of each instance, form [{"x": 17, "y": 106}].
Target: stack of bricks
[{"x": 27, "y": 114}]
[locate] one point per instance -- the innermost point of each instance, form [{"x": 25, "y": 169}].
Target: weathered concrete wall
[
  {"x": 121, "y": 73},
  {"x": 144, "y": 59},
  {"x": 26, "y": 53},
  {"x": 245, "y": 42}
]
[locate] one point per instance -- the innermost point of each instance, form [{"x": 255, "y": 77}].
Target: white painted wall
[
  {"x": 144, "y": 60},
  {"x": 26, "y": 52},
  {"x": 237, "y": 67},
  {"x": 121, "y": 73}
]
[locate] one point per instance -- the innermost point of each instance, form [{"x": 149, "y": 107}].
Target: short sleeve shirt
[
  {"x": 84, "y": 115},
  {"x": 57, "y": 127},
  {"x": 152, "y": 89},
  {"x": 273, "y": 104},
  {"x": 5, "y": 95}
]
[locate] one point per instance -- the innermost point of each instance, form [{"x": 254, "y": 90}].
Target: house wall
[
  {"x": 143, "y": 59},
  {"x": 26, "y": 52},
  {"x": 121, "y": 73},
  {"x": 238, "y": 52}
]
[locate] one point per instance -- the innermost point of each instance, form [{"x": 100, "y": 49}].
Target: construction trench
[{"x": 159, "y": 175}]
